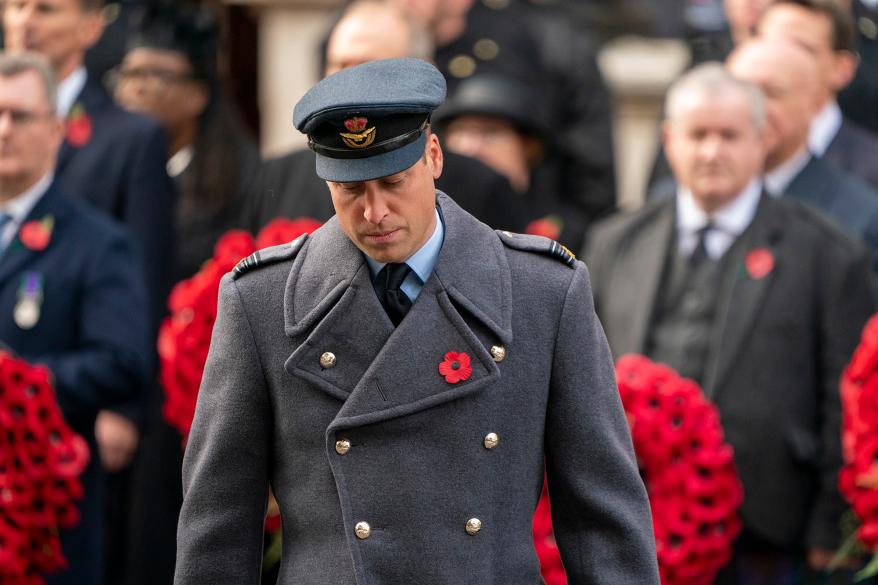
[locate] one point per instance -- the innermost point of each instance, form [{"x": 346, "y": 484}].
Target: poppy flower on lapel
[
  {"x": 456, "y": 367},
  {"x": 549, "y": 226},
  {"x": 36, "y": 234},
  {"x": 79, "y": 126},
  {"x": 759, "y": 262}
]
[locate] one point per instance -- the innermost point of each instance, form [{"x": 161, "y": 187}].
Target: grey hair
[
  {"x": 421, "y": 44},
  {"x": 712, "y": 79},
  {"x": 14, "y": 64}
]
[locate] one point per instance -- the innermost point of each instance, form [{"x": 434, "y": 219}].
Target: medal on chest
[{"x": 26, "y": 313}]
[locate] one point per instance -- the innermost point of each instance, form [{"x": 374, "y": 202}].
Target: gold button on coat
[
  {"x": 362, "y": 530},
  {"x": 498, "y": 352},
  {"x": 327, "y": 360},
  {"x": 342, "y": 446},
  {"x": 473, "y": 525},
  {"x": 491, "y": 440}
]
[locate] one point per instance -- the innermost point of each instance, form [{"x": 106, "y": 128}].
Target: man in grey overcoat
[{"x": 402, "y": 378}]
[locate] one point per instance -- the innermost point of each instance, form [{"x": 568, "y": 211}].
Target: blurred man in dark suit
[
  {"x": 73, "y": 299},
  {"x": 788, "y": 77},
  {"x": 825, "y": 29},
  {"x": 759, "y": 299},
  {"x": 113, "y": 159}
]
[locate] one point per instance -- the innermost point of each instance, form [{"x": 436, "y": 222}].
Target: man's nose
[{"x": 375, "y": 205}]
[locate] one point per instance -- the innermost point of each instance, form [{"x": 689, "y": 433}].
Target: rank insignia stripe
[{"x": 538, "y": 244}]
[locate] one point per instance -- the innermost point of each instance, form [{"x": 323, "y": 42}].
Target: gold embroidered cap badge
[{"x": 357, "y": 136}]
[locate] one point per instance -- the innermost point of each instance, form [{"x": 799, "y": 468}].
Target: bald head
[
  {"x": 790, "y": 79},
  {"x": 370, "y": 30}
]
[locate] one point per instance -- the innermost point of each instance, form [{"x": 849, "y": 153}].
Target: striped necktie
[{"x": 5, "y": 218}]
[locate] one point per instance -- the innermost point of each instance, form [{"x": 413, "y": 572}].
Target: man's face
[
  {"x": 788, "y": 78},
  {"x": 159, "y": 83},
  {"x": 355, "y": 41},
  {"x": 60, "y": 30},
  {"x": 811, "y": 31},
  {"x": 30, "y": 133},
  {"x": 390, "y": 218},
  {"x": 713, "y": 147}
]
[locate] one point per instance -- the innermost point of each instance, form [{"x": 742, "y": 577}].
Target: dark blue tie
[{"x": 395, "y": 302}]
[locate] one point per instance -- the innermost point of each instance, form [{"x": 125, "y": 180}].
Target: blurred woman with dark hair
[{"x": 170, "y": 72}]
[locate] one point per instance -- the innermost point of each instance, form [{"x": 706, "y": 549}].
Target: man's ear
[
  {"x": 435, "y": 158},
  {"x": 844, "y": 69}
]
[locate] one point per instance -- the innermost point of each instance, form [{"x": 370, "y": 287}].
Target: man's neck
[
  {"x": 15, "y": 189},
  {"x": 68, "y": 66}
]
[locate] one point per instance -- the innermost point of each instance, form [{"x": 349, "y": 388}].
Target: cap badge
[{"x": 357, "y": 136}]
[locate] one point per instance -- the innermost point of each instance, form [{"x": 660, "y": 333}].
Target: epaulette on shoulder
[
  {"x": 538, "y": 244},
  {"x": 267, "y": 256}
]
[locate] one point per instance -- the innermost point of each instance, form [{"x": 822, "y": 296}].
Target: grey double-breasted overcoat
[{"x": 379, "y": 464}]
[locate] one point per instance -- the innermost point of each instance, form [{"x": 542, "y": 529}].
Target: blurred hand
[
  {"x": 818, "y": 558},
  {"x": 117, "y": 439}
]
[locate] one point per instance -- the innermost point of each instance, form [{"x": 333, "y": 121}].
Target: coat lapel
[
  {"x": 16, "y": 255},
  {"x": 381, "y": 371},
  {"x": 744, "y": 296}
]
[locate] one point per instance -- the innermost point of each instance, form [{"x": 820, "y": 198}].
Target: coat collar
[{"x": 382, "y": 371}]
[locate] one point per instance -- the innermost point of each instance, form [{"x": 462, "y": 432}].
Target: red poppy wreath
[
  {"x": 858, "y": 480},
  {"x": 41, "y": 460},
  {"x": 693, "y": 487}
]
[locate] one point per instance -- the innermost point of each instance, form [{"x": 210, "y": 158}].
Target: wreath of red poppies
[
  {"x": 693, "y": 486},
  {"x": 184, "y": 337},
  {"x": 41, "y": 459},
  {"x": 858, "y": 480}
]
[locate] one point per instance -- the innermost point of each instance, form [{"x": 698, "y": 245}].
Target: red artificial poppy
[
  {"x": 79, "y": 127},
  {"x": 36, "y": 235},
  {"x": 549, "y": 226},
  {"x": 282, "y": 231},
  {"x": 759, "y": 262},
  {"x": 456, "y": 367}
]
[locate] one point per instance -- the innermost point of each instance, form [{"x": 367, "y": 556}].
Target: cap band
[{"x": 377, "y": 148}]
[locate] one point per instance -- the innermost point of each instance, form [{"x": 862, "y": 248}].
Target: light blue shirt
[{"x": 421, "y": 262}]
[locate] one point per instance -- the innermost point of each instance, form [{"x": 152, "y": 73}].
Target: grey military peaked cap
[{"x": 369, "y": 121}]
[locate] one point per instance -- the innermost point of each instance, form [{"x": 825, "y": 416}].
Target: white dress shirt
[
  {"x": 777, "y": 180},
  {"x": 69, "y": 89},
  {"x": 728, "y": 222},
  {"x": 824, "y": 127}
]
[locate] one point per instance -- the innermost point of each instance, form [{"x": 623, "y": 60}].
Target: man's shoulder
[
  {"x": 624, "y": 224},
  {"x": 274, "y": 255},
  {"x": 811, "y": 223},
  {"x": 538, "y": 246}
]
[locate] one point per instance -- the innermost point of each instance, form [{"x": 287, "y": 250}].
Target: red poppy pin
[
  {"x": 549, "y": 226},
  {"x": 759, "y": 262},
  {"x": 36, "y": 234},
  {"x": 455, "y": 367},
  {"x": 79, "y": 126}
]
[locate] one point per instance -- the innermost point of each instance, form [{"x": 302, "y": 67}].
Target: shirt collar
[
  {"x": 824, "y": 127},
  {"x": 778, "y": 179},
  {"x": 69, "y": 89},
  {"x": 732, "y": 219},
  {"x": 422, "y": 261},
  {"x": 20, "y": 206}
]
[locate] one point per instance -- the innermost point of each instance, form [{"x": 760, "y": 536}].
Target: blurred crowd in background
[{"x": 162, "y": 132}]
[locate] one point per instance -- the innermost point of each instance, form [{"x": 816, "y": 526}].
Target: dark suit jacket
[
  {"x": 121, "y": 171},
  {"x": 855, "y": 150},
  {"x": 418, "y": 467},
  {"x": 849, "y": 201},
  {"x": 779, "y": 347},
  {"x": 92, "y": 334},
  {"x": 288, "y": 186}
]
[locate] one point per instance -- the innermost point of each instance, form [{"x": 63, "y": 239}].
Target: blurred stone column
[{"x": 638, "y": 72}]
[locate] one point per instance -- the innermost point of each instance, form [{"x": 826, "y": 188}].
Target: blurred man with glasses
[{"x": 75, "y": 301}]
